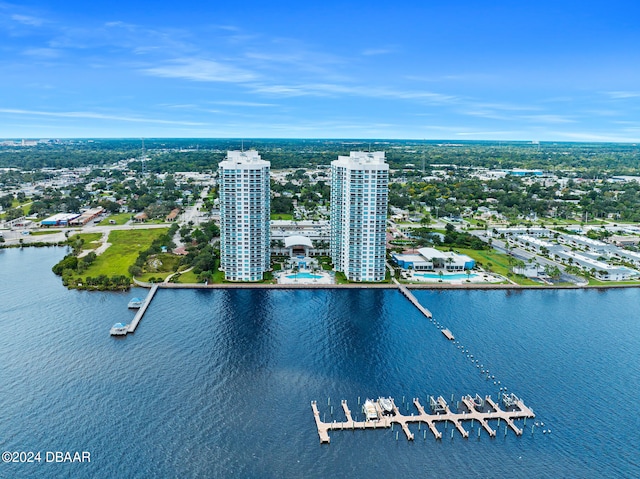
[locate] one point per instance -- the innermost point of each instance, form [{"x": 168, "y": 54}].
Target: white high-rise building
[
  {"x": 245, "y": 211},
  {"x": 359, "y": 197}
]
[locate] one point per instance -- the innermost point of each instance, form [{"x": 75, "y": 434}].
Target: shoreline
[
  {"x": 143, "y": 284},
  {"x": 425, "y": 286}
]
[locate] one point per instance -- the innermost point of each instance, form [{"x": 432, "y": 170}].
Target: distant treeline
[{"x": 170, "y": 155}]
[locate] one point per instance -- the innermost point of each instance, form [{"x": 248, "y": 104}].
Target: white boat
[
  {"x": 135, "y": 303},
  {"x": 119, "y": 329},
  {"x": 369, "y": 410},
  {"x": 386, "y": 404}
]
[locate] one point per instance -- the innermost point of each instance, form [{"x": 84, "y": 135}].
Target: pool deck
[
  {"x": 454, "y": 279},
  {"x": 488, "y": 411},
  {"x": 305, "y": 277}
]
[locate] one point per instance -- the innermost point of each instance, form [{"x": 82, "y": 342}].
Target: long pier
[
  {"x": 134, "y": 324},
  {"x": 483, "y": 412},
  {"x": 403, "y": 289}
]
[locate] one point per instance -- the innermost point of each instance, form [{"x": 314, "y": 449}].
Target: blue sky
[{"x": 503, "y": 70}]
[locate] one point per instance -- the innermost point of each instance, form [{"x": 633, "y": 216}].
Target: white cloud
[
  {"x": 196, "y": 69},
  {"x": 506, "y": 106},
  {"x": 461, "y": 77},
  {"x": 28, "y": 20},
  {"x": 587, "y": 136},
  {"x": 377, "y": 51},
  {"x": 333, "y": 89},
  {"x": 96, "y": 116},
  {"x": 487, "y": 114},
  {"x": 548, "y": 118},
  {"x": 43, "y": 52},
  {"x": 243, "y": 103},
  {"x": 621, "y": 95}
]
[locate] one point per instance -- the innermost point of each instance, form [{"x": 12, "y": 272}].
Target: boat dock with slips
[
  {"x": 474, "y": 409},
  {"x": 131, "y": 327}
]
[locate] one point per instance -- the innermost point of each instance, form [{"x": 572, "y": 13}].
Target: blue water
[
  {"x": 304, "y": 275},
  {"x": 446, "y": 276},
  {"x": 219, "y": 383}
]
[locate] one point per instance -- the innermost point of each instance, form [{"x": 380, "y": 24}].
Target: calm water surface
[{"x": 219, "y": 383}]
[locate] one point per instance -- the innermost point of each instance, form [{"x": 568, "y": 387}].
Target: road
[
  {"x": 14, "y": 236},
  {"x": 192, "y": 214}
]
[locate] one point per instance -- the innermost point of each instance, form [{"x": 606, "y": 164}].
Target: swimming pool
[
  {"x": 304, "y": 275},
  {"x": 446, "y": 276}
]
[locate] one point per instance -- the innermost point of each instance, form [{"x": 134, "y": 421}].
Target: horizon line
[{"x": 360, "y": 139}]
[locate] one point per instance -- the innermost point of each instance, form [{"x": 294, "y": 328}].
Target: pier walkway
[
  {"x": 134, "y": 324},
  {"x": 403, "y": 289},
  {"x": 489, "y": 410}
]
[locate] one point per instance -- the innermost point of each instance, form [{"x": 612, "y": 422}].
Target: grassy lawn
[
  {"x": 596, "y": 282},
  {"x": 499, "y": 264},
  {"x": 89, "y": 239},
  {"x": 325, "y": 263},
  {"x": 476, "y": 223},
  {"x": 147, "y": 276},
  {"x": 560, "y": 222},
  {"x": 188, "y": 277},
  {"x": 44, "y": 232},
  {"x": 25, "y": 208},
  {"x": 218, "y": 277},
  {"x": 124, "y": 249},
  {"x": 281, "y": 216},
  {"x": 120, "y": 219}
]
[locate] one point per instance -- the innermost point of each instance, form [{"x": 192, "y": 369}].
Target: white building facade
[
  {"x": 244, "y": 216},
  {"x": 359, "y": 198}
]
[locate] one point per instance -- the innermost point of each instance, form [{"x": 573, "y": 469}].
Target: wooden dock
[
  {"x": 143, "y": 309},
  {"x": 488, "y": 410},
  {"x": 403, "y": 289}
]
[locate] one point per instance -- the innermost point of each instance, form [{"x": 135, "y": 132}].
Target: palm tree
[
  {"x": 468, "y": 272},
  {"x": 433, "y": 263},
  {"x": 440, "y": 273},
  {"x": 449, "y": 262}
]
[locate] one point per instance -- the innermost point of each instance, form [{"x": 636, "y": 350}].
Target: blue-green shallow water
[{"x": 219, "y": 383}]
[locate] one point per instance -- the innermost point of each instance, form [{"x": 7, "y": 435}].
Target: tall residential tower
[
  {"x": 244, "y": 216},
  {"x": 359, "y": 197}
]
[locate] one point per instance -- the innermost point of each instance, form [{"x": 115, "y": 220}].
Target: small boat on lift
[
  {"x": 369, "y": 410},
  {"x": 386, "y": 404},
  {"x": 135, "y": 303},
  {"x": 119, "y": 329}
]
